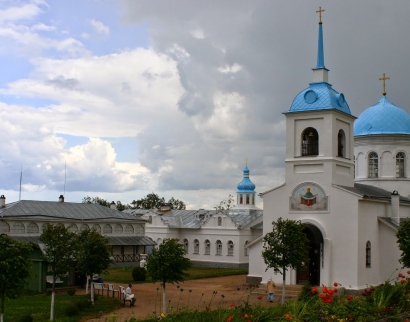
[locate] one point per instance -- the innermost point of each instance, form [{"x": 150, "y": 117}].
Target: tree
[
  {"x": 60, "y": 253},
  {"x": 403, "y": 239},
  {"x": 152, "y": 200},
  {"x": 15, "y": 267},
  {"x": 104, "y": 202},
  {"x": 285, "y": 247},
  {"x": 93, "y": 254},
  {"x": 225, "y": 204},
  {"x": 167, "y": 264}
]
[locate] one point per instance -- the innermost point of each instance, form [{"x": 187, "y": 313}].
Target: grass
[
  {"x": 123, "y": 274},
  {"x": 38, "y": 306}
]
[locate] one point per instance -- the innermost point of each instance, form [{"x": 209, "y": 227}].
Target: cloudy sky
[{"x": 134, "y": 96}]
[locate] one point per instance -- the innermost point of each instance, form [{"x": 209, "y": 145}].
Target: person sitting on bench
[{"x": 129, "y": 295}]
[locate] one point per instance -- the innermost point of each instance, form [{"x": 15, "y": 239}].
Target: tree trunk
[
  {"x": 92, "y": 290},
  {"x": 86, "y": 285},
  {"x": 2, "y": 306},
  {"x": 52, "y": 301},
  {"x": 164, "y": 299},
  {"x": 283, "y": 285}
]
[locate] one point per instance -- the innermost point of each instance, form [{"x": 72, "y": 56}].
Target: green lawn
[
  {"x": 67, "y": 308},
  {"x": 123, "y": 274}
]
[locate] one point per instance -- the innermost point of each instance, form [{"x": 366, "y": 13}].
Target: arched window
[
  {"x": 310, "y": 142},
  {"x": 129, "y": 229},
  {"x": 341, "y": 142},
  {"x": 107, "y": 229},
  {"x": 368, "y": 254},
  {"x": 207, "y": 247},
  {"x": 247, "y": 199},
  {"x": 219, "y": 221},
  {"x": 373, "y": 165},
  {"x": 18, "y": 228},
  {"x": 97, "y": 227},
  {"x": 84, "y": 227},
  {"x": 139, "y": 230},
  {"x": 32, "y": 228},
  {"x": 400, "y": 160},
  {"x": 240, "y": 199},
  {"x": 186, "y": 245},
  {"x": 73, "y": 228},
  {"x": 196, "y": 246},
  {"x": 218, "y": 247},
  {"x": 150, "y": 219},
  {"x": 230, "y": 248},
  {"x": 118, "y": 229},
  {"x": 4, "y": 227}
]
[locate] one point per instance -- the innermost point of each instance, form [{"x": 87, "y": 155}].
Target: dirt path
[{"x": 195, "y": 294}]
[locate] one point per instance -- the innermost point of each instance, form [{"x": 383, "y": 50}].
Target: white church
[{"x": 347, "y": 179}]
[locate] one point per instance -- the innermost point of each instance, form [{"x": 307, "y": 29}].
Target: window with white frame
[
  {"x": 139, "y": 230},
  {"x": 373, "y": 165},
  {"x": 73, "y": 228},
  {"x": 4, "y": 227},
  {"x": 84, "y": 227},
  {"x": 129, "y": 229},
  {"x": 32, "y": 228},
  {"x": 207, "y": 247},
  {"x": 97, "y": 227},
  {"x": 18, "y": 228},
  {"x": 218, "y": 247},
  {"x": 186, "y": 245},
  {"x": 246, "y": 248},
  {"x": 230, "y": 248},
  {"x": 118, "y": 229},
  {"x": 368, "y": 254},
  {"x": 107, "y": 229},
  {"x": 219, "y": 221},
  {"x": 400, "y": 161},
  {"x": 196, "y": 246}
]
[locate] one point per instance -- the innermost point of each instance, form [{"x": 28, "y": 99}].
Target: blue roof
[
  {"x": 319, "y": 96},
  {"x": 246, "y": 185},
  {"x": 382, "y": 118},
  {"x": 320, "y": 51}
]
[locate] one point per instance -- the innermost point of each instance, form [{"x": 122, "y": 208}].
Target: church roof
[
  {"x": 319, "y": 96},
  {"x": 372, "y": 192},
  {"x": 246, "y": 185},
  {"x": 51, "y": 210},
  {"x": 195, "y": 219},
  {"x": 382, "y": 118}
]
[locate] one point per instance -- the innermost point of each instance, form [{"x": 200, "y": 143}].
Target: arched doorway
[{"x": 314, "y": 247}]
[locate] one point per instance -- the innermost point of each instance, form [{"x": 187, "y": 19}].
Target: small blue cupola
[
  {"x": 319, "y": 95},
  {"x": 246, "y": 191}
]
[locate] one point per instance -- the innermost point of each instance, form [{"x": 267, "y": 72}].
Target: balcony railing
[{"x": 127, "y": 258}]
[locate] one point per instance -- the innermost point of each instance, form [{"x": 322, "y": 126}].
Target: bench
[
  {"x": 127, "y": 298},
  {"x": 112, "y": 289},
  {"x": 49, "y": 280},
  {"x": 99, "y": 287}
]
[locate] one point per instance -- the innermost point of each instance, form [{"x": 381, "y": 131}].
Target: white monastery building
[
  {"x": 344, "y": 178},
  {"x": 213, "y": 238}
]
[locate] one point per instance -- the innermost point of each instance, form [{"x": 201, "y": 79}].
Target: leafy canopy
[
  {"x": 285, "y": 246},
  {"x": 225, "y": 204},
  {"x": 104, "y": 202},
  {"x": 403, "y": 239},
  {"x": 152, "y": 200},
  {"x": 167, "y": 263}
]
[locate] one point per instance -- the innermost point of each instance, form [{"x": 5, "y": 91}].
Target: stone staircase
[{"x": 292, "y": 291}]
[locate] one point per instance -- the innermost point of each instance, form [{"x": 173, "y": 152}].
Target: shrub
[
  {"x": 71, "y": 291},
  {"x": 306, "y": 292},
  {"x": 139, "y": 274},
  {"x": 71, "y": 310},
  {"x": 26, "y": 318},
  {"x": 83, "y": 304}
]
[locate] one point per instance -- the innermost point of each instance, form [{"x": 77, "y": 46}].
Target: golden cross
[
  {"x": 320, "y": 14},
  {"x": 384, "y": 78},
  {"x": 246, "y": 161}
]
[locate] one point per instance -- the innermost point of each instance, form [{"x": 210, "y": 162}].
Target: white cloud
[{"x": 99, "y": 27}]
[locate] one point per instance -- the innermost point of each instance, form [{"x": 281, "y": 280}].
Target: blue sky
[{"x": 140, "y": 96}]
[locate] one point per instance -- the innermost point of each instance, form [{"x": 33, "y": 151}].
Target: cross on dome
[
  {"x": 384, "y": 78},
  {"x": 320, "y": 14}
]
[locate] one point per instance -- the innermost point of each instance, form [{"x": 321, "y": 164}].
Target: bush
[
  {"x": 139, "y": 274},
  {"x": 71, "y": 310},
  {"x": 71, "y": 291},
  {"x": 26, "y": 318},
  {"x": 83, "y": 304}
]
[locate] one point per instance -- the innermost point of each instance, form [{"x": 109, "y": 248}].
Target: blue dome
[
  {"x": 382, "y": 118},
  {"x": 246, "y": 185},
  {"x": 319, "y": 96}
]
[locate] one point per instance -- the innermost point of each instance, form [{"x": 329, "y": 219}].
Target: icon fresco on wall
[{"x": 308, "y": 196}]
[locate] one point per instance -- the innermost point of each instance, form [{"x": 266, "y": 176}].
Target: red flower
[
  {"x": 259, "y": 297},
  {"x": 231, "y": 305},
  {"x": 349, "y": 297},
  {"x": 401, "y": 275},
  {"x": 229, "y": 319},
  {"x": 335, "y": 290},
  {"x": 408, "y": 272},
  {"x": 314, "y": 290},
  {"x": 403, "y": 281},
  {"x": 335, "y": 284},
  {"x": 288, "y": 316},
  {"x": 246, "y": 315}
]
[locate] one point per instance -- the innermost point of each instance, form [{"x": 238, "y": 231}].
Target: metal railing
[{"x": 127, "y": 258}]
